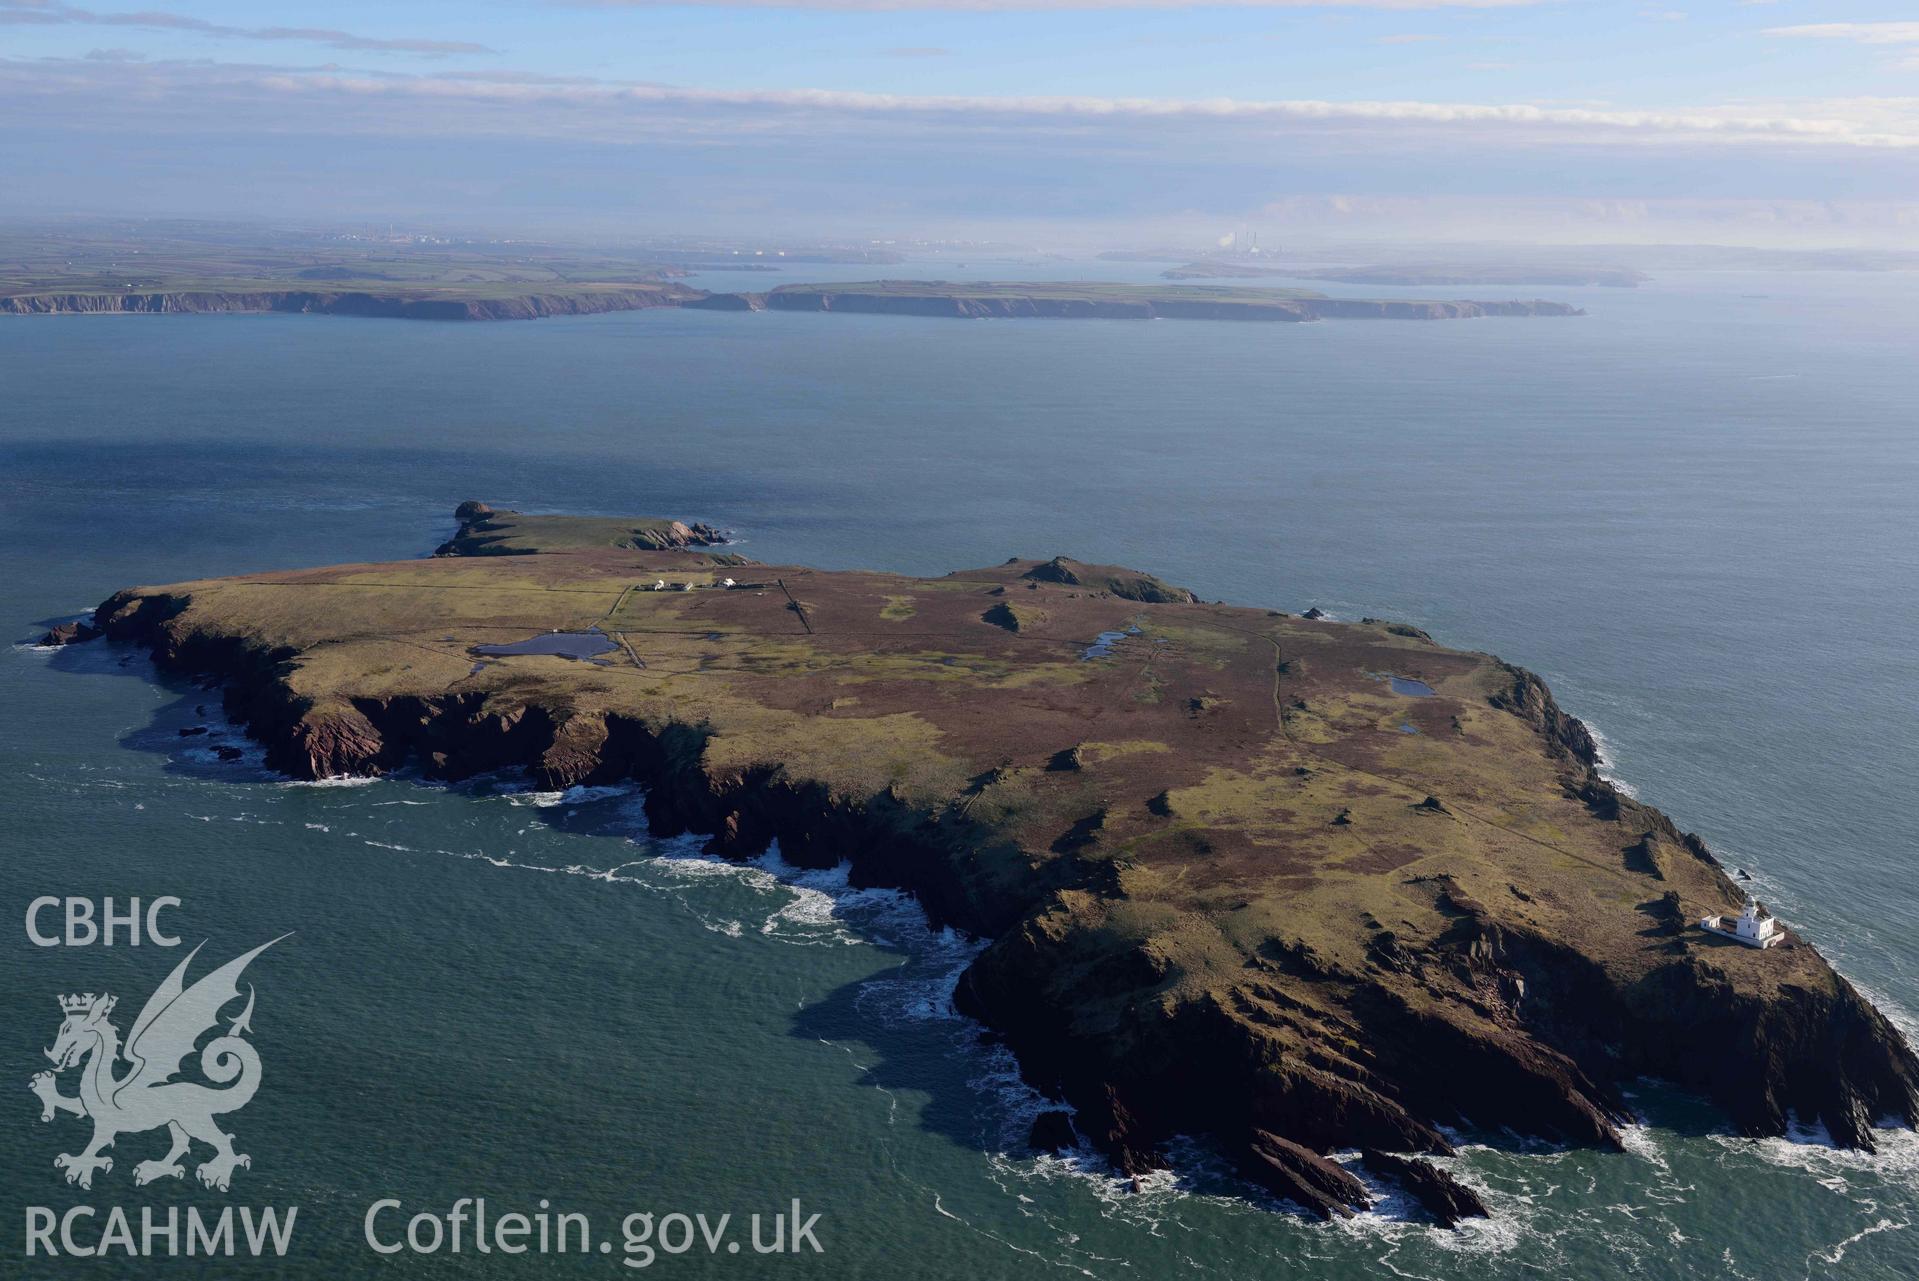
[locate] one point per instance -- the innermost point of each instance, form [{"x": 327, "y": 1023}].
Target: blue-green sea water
[{"x": 1695, "y": 511}]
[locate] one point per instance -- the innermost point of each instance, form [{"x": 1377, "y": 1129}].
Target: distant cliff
[
  {"x": 397, "y": 306},
  {"x": 1445, "y": 277},
  {"x": 1428, "y": 276},
  {"x": 1120, "y": 302},
  {"x": 1067, "y": 300}
]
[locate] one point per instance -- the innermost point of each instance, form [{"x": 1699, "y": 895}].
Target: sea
[{"x": 1694, "y": 510}]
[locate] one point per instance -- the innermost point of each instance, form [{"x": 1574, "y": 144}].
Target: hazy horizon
[
  {"x": 1052, "y": 123},
  {"x": 1069, "y": 244}
]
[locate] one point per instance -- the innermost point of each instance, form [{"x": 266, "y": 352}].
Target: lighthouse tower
[{"x": 1755, "y": 927}]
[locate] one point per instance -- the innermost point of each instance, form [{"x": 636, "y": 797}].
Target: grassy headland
[{"x": 1240, "y": 882}]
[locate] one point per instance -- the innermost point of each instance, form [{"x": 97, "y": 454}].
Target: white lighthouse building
[{"x": 1755, "y": 927}]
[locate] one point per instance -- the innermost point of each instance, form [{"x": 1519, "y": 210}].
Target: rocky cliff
[
  {"x": 1228, "y": 895},
  {"x": 489, "y": 531}
]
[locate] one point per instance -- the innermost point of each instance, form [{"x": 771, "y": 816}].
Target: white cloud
[
  {"x": 582, "y": 151},
  {"x": 1030, "y": 6},
  {"x": 52, "y": 13},
  {"x": 1857, "y": 32},
  {"x": 1615, "y": 220},
  {"x": 1883, "y": 125},
  {"x": 530, "y": 105}
]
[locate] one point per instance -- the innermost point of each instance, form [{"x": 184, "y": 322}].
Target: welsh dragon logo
[{"x": 146, "y": 1096}]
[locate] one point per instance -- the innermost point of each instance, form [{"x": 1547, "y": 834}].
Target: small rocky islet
[{"x": 1227, "y": 894}]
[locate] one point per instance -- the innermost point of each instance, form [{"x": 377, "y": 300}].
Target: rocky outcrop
[
  {"x": 1530, "y": 700},
  {"x": 1567, "y": 737},
  {"x": 70, "y": 633},
  {"x": 1396, "y": 629},
  {"x": 1302, "y": 1176},
  {"x": 1123, "y": 583},
  {"x": 489, "y": 531},
  {"x": 1002, "y": 615},
  {"x": 1444, "y": 1197},
  {"x": 680, "y": 534},
  {"x": 1828, "y": 1055}
]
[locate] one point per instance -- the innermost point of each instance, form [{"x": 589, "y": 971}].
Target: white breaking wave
[
  {"x": 1607, "y": 757},
  {"x": 1540, "y": 1197},
  {"x": 1808, "y": 1146},
  {"x": 578, "y": 794}
]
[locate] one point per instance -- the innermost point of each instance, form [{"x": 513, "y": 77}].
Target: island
[
  {"x": 184, "y": 267},
  {"x": 1097, "y": 301},
  {"x": 1470, "y": 275},
  {"x": 1060, "y": 300},
  {"x": 1423, "y": 276},
  {"x": 1291, "y": 885},
  {"x": 361, "y": 299},
  {"x": 191, "y": 268}
]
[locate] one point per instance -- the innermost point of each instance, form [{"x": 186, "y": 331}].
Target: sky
[{"x": 1054, "y": 122}]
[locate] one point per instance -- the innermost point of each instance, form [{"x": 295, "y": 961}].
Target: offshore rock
[
  {"x": 1444, "y": 1197},
  {"x": 70, "y": 633},
  {"x": 1297, "y": 1174}
]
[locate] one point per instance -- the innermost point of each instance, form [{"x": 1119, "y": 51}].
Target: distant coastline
[
  {"x": 1059, "y": 300},
  {"x": 1423, "y": 276},
  {"x": 353, "y": 302},
  {"x": 1082, "y": 300}
]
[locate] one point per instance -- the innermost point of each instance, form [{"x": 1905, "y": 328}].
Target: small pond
[
  {"x": 1102, "y": 646},
  {"x": 585, "y": 644}
]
